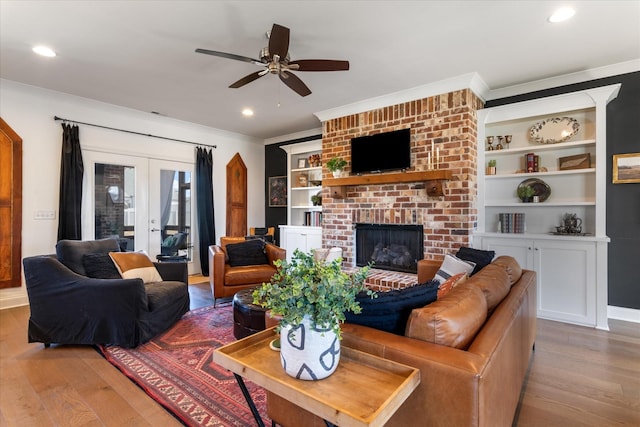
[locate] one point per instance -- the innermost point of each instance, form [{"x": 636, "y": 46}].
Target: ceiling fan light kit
[{"x": 276, "y": 60}]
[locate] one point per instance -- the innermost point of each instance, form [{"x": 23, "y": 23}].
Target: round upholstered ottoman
[{"x": 248, "y": 318}]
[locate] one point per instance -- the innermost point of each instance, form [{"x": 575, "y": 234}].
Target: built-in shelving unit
[
  {"x": 304, "y": 180},
  {"x": 572, "y": 277}
]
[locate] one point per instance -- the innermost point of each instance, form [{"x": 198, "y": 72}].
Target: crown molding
[
  {"x": 293, "y": 136},
  {"x": 471, "y": 81},
  {"x": 566, "y": 79}
]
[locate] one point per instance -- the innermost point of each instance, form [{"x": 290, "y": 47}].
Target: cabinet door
[
  {"x": 566, "y": 281},
  {"x": 314, "y": 239},
  {"x": 520, "y": 249}
]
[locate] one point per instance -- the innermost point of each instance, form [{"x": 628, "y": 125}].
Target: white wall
[{"x": 30, "y": 110}]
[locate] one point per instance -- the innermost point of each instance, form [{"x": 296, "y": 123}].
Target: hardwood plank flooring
[{"x": 578, "y": 377}]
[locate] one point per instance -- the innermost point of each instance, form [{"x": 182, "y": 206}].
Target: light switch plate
[{"x": 44, "y": 215}]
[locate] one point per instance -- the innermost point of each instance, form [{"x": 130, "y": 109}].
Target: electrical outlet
[{"x": 44, "y": 215}]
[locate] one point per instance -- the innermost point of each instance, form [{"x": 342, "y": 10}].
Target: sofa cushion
[
  {"x": 249, "y": 252},
  {"x": 453, "y": 320},
  {"x": 494, "y": 282},
  {"x": 100, "y": 266},
  {"x": 451, "y": 266},
  {"x": 390, "y": 310},
  {"x": 511, "y": 266},
  {"x": 135, "y": 265},
  {"x": 479, "y": 257},
  {"x": 70, "y": 252},
  {"x": 451, "y": 283},
  {"x": 248, "y": 274}
]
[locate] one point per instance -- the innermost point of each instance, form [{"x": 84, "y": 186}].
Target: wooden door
[
  {"x": 10, "y": 207},
  {"x": 236, "y": 197}
]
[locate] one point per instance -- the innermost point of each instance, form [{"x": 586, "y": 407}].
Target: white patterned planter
[{"x": 307, "y": 353}]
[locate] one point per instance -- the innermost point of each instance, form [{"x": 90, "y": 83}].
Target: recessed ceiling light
[
  {"x": 248, "y": 112},
  {"x": 562, "y": 14},
  {"x": 44, "y": 51}
]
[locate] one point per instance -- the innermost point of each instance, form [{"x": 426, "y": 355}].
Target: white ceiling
[{"x": 140, "y": 54}]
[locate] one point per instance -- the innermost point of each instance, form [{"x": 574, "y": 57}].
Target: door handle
[{"x": 155, "y": 229}]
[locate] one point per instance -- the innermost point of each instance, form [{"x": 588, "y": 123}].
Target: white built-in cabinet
[
  {"x": 300, "y": 237},
  {"x": 571, "y": 269},
  {"x": 303, "y": 230}
]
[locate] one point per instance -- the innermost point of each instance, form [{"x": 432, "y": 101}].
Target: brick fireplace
[{"x": 446, "y": 122}]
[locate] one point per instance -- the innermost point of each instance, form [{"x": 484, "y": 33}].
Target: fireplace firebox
[{"x": 394, "y": 247}]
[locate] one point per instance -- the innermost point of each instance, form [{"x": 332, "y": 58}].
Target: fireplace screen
[{"x": 389, "y": 246}]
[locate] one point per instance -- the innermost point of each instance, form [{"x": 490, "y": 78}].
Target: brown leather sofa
[
  {"x": 478, "y": 385},
  {"x": 226, "y": 280}
]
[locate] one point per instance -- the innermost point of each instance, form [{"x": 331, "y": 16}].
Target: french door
[{"x": 140, "y": 201}]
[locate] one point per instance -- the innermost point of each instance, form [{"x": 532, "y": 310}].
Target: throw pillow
[
  {"x": 100, "y": 266},
  {"x": 451, "y": 283},
  {"x": 390, "y": 310},
  {"x": 135, "y": 265},
  {"x": 479, "y": 257},
  {"x": 249, "y": 252},
  {"x": 452, "y": 266}
]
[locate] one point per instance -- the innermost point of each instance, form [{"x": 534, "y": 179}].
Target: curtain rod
[{"x": 56, "y": 118}]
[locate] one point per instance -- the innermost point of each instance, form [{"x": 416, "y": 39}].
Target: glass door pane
[
  {"x": 175, "y": 213},
  {"x": 115, "y": 199},
  {"x": 115, "y": 203},
  {"x": 171, "y": 235}
]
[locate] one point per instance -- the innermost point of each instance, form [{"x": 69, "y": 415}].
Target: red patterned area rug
[{"x": 176, "y": 370}]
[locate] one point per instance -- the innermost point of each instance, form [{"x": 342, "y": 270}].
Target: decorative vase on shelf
[{"x": 337, "y": 173}]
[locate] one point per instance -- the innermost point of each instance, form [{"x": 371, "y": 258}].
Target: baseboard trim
[
  {"x": 14, "y": 301},
  {"x": 622, "y": 313}
]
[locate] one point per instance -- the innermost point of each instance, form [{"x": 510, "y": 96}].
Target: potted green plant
[
  {"x": 491, "y": 168},
  {"x": 316, "y": 199},
  {"x": 526, "y": 193},
  {"x": 335, "y": 165},
  {"x": 311, "y": 296}
]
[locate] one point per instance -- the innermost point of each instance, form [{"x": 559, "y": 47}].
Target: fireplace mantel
[{"x": 432, "y": 179}]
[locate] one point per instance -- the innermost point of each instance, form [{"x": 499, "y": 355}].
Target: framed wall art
[
  {"x": 579, "y": 161},
  {"x": 277, "y": 191},
  {"x": 626, "y": 168}
]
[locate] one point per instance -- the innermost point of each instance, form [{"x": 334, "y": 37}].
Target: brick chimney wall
[{"x": 447, "y": 122}]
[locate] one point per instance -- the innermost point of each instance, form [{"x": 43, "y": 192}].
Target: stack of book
[
  {"x": 511, "y": 223},
  {"x": 313, "y": 219}
]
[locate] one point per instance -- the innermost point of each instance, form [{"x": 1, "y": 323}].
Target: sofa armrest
[
  {"x": 274, "y": 252},
  {"x": 427, "y": 269},
  {"x": 173, "y": 271},
  {"x": 216, "y": 270}
]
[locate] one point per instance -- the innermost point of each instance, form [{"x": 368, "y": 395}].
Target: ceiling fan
[{"x": 275, "y": 58}]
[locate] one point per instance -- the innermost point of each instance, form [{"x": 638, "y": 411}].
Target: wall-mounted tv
[{"x": 381, "y": 152}]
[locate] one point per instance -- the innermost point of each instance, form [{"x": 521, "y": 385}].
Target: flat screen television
[{"x": 381, "y": 152}]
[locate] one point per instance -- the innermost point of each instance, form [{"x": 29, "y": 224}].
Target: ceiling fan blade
[
  {"x": 247, "y": 79},
  {"x": 294, "y": 83},
  {"x": 279, "y": 41},
  {"x": 230, "y": 56},
  {"x": 320, "y": 65}
]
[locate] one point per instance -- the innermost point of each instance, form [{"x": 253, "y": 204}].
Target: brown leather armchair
[{"x": 226, "y": 280}]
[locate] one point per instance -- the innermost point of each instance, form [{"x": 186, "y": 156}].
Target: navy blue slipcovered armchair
[{"x": 76, "y": 297}]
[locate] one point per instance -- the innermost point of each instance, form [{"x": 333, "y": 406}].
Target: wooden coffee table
[{"x": 365, "y": 390}]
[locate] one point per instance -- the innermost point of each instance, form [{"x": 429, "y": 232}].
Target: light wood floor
[{"x": 578, "y": 377}]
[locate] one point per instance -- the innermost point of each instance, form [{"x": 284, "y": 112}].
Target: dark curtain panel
[
  {"x": 71, "y": 170},
  {"x": 204, "y": 205}
]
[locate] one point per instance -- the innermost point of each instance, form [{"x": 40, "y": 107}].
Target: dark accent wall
[
  {"x": 275, "y": 160},
  {"x": 623, "y": 200}
]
